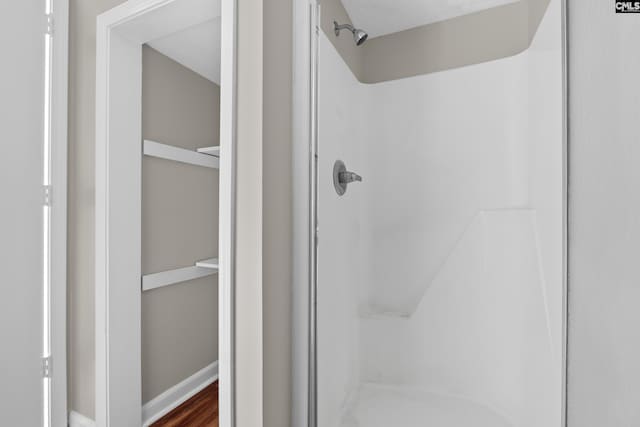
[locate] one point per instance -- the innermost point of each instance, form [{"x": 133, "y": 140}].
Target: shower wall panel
[
  {"x": 442, "y": 271},
  {"x": 343, "y": 118}
]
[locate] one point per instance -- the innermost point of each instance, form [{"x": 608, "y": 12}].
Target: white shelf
[
  {"x": 202, "y": 268},
  {"x": 169, "y": 152},
  {"x": 212, "y": 151},
  {"x": 211, "y": 263}
]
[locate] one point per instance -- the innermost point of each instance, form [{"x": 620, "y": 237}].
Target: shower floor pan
[{"x": 378, "y": 405}]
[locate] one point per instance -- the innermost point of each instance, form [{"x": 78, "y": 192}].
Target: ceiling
[
  {"x": 380, "y": 17},
  {"x": 197, "y": 48}
]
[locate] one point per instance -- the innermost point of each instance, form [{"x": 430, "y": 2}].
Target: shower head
[{"x": 359, "y": 36}]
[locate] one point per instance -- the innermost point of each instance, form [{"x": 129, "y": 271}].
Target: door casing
[{"x": 121, "y": 32}]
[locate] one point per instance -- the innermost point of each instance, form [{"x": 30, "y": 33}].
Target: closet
[
  {"x": 164, "y": 159},
  {"x": 180, "y": 176}
]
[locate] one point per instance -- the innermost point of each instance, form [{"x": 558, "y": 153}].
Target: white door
[{"x": 22, "y": 62}]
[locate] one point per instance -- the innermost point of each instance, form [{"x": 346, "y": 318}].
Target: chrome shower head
[{"x": 359, "y": 36}]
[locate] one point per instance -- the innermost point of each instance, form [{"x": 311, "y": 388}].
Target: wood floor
[{"x": 199, "y": 411}]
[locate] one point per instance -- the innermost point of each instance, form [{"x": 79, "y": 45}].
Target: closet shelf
[
  {"x": 212, "y": 151},
  {"x": 208, "y": 263},
  {"x": 169, "y": 152},
  {"x": 202, "y": 268}
]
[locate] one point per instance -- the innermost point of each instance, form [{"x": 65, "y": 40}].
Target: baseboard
[
  {"x": 155, "y": 409},
  {"x": 78, "y": 420},
  {"x": 160, "y": 406}
]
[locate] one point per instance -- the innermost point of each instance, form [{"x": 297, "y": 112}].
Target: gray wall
[
  {"x": 604, "y": 226},
  {"x": 478, "y": 37},
  {"x": 263, "y": 218},
  {"x": 179, "y": 223},
  {"x": 81, "y": 202},
  {"x": 249, "y": 207},
  {"x": 277, "y": 213}
]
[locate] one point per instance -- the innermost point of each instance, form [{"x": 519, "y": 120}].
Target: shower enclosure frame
[{"x": 306, "y": 18}]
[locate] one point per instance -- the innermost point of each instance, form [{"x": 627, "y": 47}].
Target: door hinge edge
[
  {"x": 48, "y": 24},
  {"x": 46, "y": 367},
  {"x": 47, "y": 194}
]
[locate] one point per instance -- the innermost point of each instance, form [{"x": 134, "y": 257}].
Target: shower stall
[{"x": 436, "y": 215}]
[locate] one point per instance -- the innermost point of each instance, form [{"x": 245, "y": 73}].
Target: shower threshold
[{"x": 377, "y": 405}]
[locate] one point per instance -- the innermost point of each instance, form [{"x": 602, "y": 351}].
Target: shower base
[{"x": 377, "y": 405}]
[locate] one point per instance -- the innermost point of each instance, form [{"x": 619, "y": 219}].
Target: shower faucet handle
[
  {"x": 347, "y": 177},
  {"x": 342, "y": 177}
]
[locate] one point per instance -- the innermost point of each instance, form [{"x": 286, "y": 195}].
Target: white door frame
[
  {"x": 121, "y": 32},
  {"x": 59, "y": 79}
]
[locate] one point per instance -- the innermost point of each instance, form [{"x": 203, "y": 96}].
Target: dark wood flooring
[{"x": 199, "y": 411}]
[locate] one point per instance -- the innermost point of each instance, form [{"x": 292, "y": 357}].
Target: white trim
[
  {"x": 161, "y": 405},
  {"x": 120, "y": 34},
  {"x": 118, "y": 228},
  {"x": 169, "y": 152},
  {"x": 227, "y": 191},
  {"x": 209, "y": 263},
  {"x": 302, "y": 95},
  {"x": 78, "y": 420},
  {"x": 58, "y": 309},
  {"x": 565, "y": 206},
  {"x": 171, "y": 277}
]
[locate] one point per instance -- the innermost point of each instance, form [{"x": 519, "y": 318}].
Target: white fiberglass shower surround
[{"x": 437, "y": 285}]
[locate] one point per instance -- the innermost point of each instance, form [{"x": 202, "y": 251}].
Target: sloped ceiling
[
  {"x": 380, "y": 17},
  {"x": 197, "y": 48}
]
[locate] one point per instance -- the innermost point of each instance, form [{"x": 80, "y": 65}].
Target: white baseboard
[
  {"x": 155, "y": 409},
  {"x": 160, "y": 406},
  {"x": 78, "y": 420}
]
